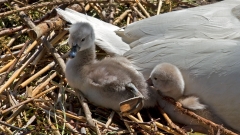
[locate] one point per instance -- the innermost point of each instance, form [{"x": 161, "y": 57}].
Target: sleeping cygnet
[
  {"x": 168, "y": 79},
  {"x": 107, "y": 83}
]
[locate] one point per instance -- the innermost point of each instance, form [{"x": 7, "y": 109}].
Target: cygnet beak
[
  {"x": 149, "y": 82},
  {"x": 73, "y": 51}
]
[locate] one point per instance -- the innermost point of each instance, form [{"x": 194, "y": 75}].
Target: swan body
[{"x": 104, "y": 83}]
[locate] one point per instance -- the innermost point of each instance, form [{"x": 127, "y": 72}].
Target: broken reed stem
[
  {"x": 8, "y": 125},
  {"x": 165, "y": 128},
  {"x": 159, "y": 7},
  {"x": 139, "y": 117},
  {"x": 55, "y": 130},
  {"x": 128, "y": 19},
  {"x": 15, "y": 114},
  {"x": 56, "y": 56},
  {"x": 18, "y": 71},
  {"x": 8, "y": 31},
  {"x": 58, "y": 37},
  {"x": 201, "y": 119},
  {"x": 53, "y": 42},
  {"x": 15, "y": 37},
  {"x": 24, "y": 17},
  {"x": 44, "y": 27},
  {"x": 130, "y": 130},
  {"x": 69, "y": 115},
  {"x": 13, "y": 64},
  {"x": 137, "y": 11},
  {"x": 30, "y": 121},
  {"x": 30, "y": 47},
  {"x": 98, "y": 122},
  {"x": 42, "y": 85},
  {"x": 121, "y": 17},
  {"x": 45, "y": 69},
  {"x": 8, "y": 56},
  {"x": 16, "y": 47},
  {"x": 4, "y": 68},
  {"x": 86, "y": 109},
  {"x": 72, "y": 129},
  {"x": 142, "y": 8},
  {"x": 29, "y": 100},
  {"x": 169, "y": 121},
  {"x": 43, "y": 4},
  {"x": 98, "y": 11},
  {"x": 110, "y": 119}
]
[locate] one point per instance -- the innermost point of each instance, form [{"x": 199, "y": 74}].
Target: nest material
[{"x": 34, "y": 95}]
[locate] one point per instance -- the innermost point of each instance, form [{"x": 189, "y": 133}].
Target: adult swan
[{"x": 206, "y": 50}]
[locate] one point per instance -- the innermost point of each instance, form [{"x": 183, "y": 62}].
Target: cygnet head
[
  {"x": 81, "y": 37},
  {"x": 168, "y": 79}
]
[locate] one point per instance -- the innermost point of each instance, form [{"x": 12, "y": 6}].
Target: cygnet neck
[
  {"x": 174, "y": 94},
  {"x": 85, "y": 57}
]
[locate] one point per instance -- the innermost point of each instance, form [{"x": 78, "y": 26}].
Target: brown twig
[
  {"x": 169, "y": 121},
  {"x": 46, "y": 68},
  {"x": 144, "y": 126},
  {"x": 201, "y": 119},
  {"x": 138, "y": 12},
  {"x": 159, "y": 7},
  {"x": 72, "y": 129},
  {"x": 110, "y": 119},
  {"x": 39, "y": 30},
  {"x": 52, "y": 3},
  {"x": 46, "y": 82},
  {"x": 4, "y": 68},
  {"x": 98, "y": 11},
  {"x": 14, "y": 63},
  {"x": 56, "y": 56},
  {"x": 9, "y": 56},
  {"x": 15, "y": 37},
  {"x": 24, "y": 17},
  {"x": 8, "y": 125},
  {"x": 142, "y": 8},
  {"x": 121, "y": 17},
  {"x": 28, "y": 100},
  {"x": 86, "y": 109},
  {"x": 18, "y": 71},
  {"x": 10, "y": 30}
]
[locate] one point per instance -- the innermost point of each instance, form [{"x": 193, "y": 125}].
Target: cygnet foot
[{"x": 132, "y": 105}]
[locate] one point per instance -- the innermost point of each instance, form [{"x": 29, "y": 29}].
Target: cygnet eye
[
  {"x": 155, "y": 78},
  {"x": 83, "y": 39}
]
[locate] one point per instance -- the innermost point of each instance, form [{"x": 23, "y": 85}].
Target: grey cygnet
[{"x": 105, "y": 83}]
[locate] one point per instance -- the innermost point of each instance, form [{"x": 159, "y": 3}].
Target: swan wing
[{"x": 213, "y": 21}]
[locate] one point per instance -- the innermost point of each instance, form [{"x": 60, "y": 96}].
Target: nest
[{"x": 34, "y": 95}]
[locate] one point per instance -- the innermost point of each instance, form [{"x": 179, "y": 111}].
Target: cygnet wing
[{"x": 192, "y": 103}]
